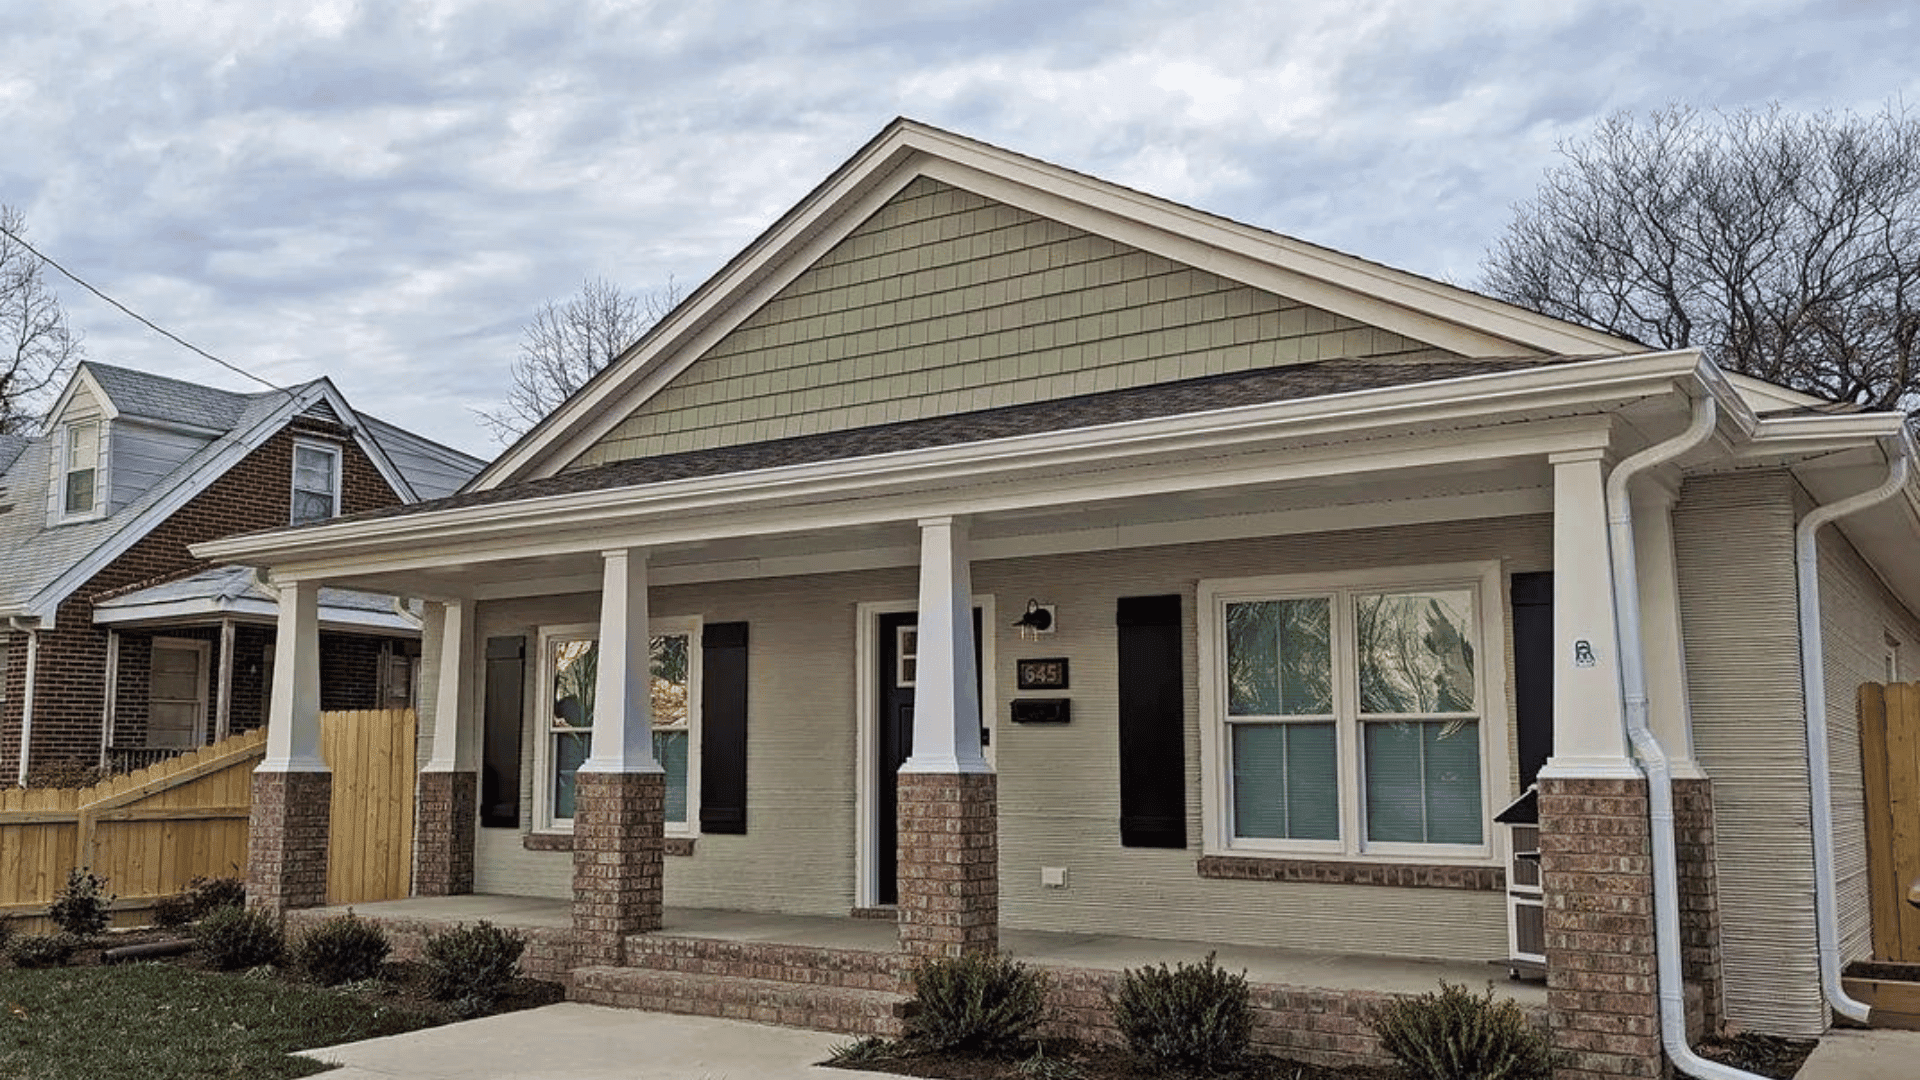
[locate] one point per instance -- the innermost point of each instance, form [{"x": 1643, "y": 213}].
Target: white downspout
[
  {"x": 26, "y": 704},
  {"x": 1653, "y": 758},
  {"x": 1813, "y": 691}
]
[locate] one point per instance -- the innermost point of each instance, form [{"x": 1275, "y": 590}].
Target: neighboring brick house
[
  {"x": 117, "y": 646},
  {"x": 1013, "y": 550}
]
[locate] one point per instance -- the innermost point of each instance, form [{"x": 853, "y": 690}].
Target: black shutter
[
  {"x": 500, "y": 742},
  {"x": 1533, "y": 670},
  {"x": 723, "y": 728},
  {"x": 1153, "y": 794}
]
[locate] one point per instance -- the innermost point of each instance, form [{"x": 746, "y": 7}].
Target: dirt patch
[{"x": 1065, "y": 1060}]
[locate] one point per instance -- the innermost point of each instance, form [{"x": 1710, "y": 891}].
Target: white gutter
[
  {"x": 26, "y": 704},
  {"x": 1653, "y": 758},
  {"x": 1813, "y": 692}
]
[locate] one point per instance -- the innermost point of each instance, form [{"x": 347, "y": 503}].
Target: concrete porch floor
[{"x": 1102, "y": 952}]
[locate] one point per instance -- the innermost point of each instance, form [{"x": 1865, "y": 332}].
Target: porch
[{"x": 846, "y": 974}]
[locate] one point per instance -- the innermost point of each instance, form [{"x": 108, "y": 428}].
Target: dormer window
[
  {"x": 316, "y": 482},
  {"x": 80, "y": 482}
]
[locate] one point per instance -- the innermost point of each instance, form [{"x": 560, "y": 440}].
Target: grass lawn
[{"x": 164, "y": 1021}]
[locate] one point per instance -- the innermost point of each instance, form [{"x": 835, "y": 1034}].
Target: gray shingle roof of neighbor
[
  {"x": 157, "y": 397},
  {"x": 231, "y": 583},
  {"x": 1164, "y": 399}
]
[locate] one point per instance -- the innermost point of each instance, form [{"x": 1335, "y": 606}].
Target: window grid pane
[
  {"x": 1415, "y": 652},
  {"x": 1285, "y": 782},
  {"x": 1423, "y": 782},
  {"x": 1280, "y": 657}
]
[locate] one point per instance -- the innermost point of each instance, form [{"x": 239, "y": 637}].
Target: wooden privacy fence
[
  {"x": 151, "y": 832},
  {"x": 1890, "y": 752}
]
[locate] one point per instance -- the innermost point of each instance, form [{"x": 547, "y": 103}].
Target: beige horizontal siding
[
  {"x": 1058, "y": 785},
  {"x": 946, "y": 302},
  {"x": 1857, "y": 616},
  {"x": 1734, "y": 545}
]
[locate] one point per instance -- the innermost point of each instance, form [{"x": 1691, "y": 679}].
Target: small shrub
[
  {"x": 6, "y": 932},
  {"x": 172, "y": 912},
  {"x": 210, "y": 894},
  {"x": 43, "y": 950},
  {"x": 471, "y": 966},
  {"x": 83, "y": 907},
  {"x": 342, "y": 950},
  {"x": 863, "y": 1051},
  {"x": 1456, "y": 1035},
  {"x": 984, "y": 1004},
  {"x": 234, "y": 938},
  {"x": 1193, "y": 1015}
]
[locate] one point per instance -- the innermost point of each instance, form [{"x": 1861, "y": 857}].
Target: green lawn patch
[{"x": 165, "y": 1021}]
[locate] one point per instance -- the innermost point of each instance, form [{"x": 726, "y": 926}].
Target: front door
[
  {"x": 177, "y": 694},
  {"x": 899, "y": 667}
]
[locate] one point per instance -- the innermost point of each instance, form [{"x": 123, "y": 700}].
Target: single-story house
[{"x": 993, "y": 548}]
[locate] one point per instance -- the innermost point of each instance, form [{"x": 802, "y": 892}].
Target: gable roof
[
  {"x": 43, "y": 562},
  {"x": 1424, "y": 310}
]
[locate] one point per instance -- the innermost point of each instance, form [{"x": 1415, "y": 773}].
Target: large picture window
[
  {"x": 1350, "y": 715},
  {"x": 570, "y": 672}
]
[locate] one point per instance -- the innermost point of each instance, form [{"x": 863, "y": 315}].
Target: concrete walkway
[
  {"x": 1852, "y": 1054},
  {"x": 587, "y": 1042}
]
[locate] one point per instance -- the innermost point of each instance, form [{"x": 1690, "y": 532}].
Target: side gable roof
[
  {"x": 41, "y": 564},
  {"x": 1423, "y": 310}
]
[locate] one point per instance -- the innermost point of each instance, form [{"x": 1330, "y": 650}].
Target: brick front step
[
  {"x": 805, "y": 965},
  {"x": 818, "y": 1007}
]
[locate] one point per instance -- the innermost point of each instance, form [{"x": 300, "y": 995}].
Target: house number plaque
[{"x": 1044, "y": 674}]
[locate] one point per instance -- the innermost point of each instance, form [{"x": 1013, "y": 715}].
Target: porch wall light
[{"x": 1037, "y": 620}]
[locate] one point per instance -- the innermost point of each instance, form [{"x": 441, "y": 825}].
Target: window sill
[
  {"x": 1344, "y": 872},
  {"x": 538, "y": 841}
]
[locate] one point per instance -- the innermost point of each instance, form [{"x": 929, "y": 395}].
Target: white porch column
[
  {"x": 946, "y": 706},
  {"x": 623, "y": 691},
  {"x": 223, "y": 692},
  {"x": 1668, "y": 712},
  {"x": 453, "y": 736},
  {"x": 1589, "y": 734},
  {"x": 293, "y": 719}
]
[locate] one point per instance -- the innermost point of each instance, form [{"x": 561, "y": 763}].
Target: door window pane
[
  {"x": 1279, "y": 658},
  {"x": 1415, "y": 651},
  {"x": 1285, "y": 782}
]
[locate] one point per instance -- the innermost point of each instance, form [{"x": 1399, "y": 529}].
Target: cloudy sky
[{"x": 385, "y": 192}]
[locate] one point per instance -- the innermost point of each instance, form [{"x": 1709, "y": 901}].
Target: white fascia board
[
  {"x": 47, "y": 600},
  {"x": 56, "y": 414},
  {"x": 1420, "y": 308},
  {"x": 1337, "y": 421},
  {"x": 363, "y": 438},
  {"x": 1811, "y": 435}
]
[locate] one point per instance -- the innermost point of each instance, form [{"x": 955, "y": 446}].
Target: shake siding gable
[
  {"x": 251, "y": 496},
  {"x": 947, "y": 302}
]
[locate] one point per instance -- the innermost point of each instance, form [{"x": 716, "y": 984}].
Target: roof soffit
[{"x": 1404, "y": 303}]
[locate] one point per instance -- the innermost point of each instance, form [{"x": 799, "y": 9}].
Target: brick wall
[
  {"x": 949, "y": 864},
  {"x": 250, "y": 496}
]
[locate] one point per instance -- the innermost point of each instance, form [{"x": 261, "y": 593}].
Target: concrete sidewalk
[
  {"x": 587, "y": 1042},
  {"x": 1852, "y": 1054}
]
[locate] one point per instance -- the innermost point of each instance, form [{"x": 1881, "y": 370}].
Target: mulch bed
[{"x": 403, "y": 984}]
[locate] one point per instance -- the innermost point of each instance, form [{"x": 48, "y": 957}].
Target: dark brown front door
[{"x": 899, "y": 668}]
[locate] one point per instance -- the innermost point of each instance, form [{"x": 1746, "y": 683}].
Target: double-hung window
[
  {"x": 79, "y": 488},
  {"x": 316, "y": 482},
  {"x": 1353, "y": 715},
  {"x": 570, "y": 664}
]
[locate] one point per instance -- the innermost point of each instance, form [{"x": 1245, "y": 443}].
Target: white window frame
[
  {"x": 543, "y": 819},
  {"x": 293, "y": 481},
  {"x": 67, "y": 433},
  {"x": 1490, "y": 674}
]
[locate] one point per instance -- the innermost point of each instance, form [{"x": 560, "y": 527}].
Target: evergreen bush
[
  {"x": 976, "y": 1003},
  {"x": 1193, "y": 1015},
  {"x": 1457, "y": 1035}
]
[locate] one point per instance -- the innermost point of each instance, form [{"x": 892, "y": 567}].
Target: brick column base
[
  {"x": 949, "y": 864},
  {"x": 287, "y": 839},
  {"x": 1596, "y": 869},
  {"x": 1699, "y": 898},
  {"x": 619, "y": 823},
  {"x": 447, "y": 807}
]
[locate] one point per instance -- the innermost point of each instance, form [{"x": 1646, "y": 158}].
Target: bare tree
[
  {"x": 567, "y": 343},
  {"x": 37, "y": 346},
  {"x": 1785, "y": 245}
]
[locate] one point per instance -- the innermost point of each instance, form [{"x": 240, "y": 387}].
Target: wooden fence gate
[
  {"x": 152, "y": 831},
  {"x": 1890, "y": 752},
  {"x": 370, "y": 843}
]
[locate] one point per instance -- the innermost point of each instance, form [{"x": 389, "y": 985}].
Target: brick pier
[
  {"x": 448, "y": 805},
  {"x": 287, "y": 839},
  {"x": 949, "y": 864},
  {"x": 619, "y": 827}
]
